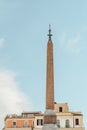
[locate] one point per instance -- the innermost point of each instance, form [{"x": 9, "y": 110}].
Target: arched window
[
  {"x": 58, "y": 123},
  {"x": 67, "y": 124},
  {"x": 26, "y": 123}
]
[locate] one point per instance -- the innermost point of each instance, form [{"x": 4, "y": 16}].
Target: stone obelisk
[{"x": 50, "y": 115}]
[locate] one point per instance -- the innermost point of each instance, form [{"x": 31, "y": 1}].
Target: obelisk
[{"x": 50, "y": 115}]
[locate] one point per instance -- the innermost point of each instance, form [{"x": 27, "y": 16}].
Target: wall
[{"x": 19, "y": 122}]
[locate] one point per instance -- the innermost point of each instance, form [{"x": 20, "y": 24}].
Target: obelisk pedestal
[{"x": 49, "y": 120}]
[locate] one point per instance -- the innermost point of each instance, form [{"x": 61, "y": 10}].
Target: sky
[{"x": 24, "y": 27}]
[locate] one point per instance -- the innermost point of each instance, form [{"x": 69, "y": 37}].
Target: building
[
  {"x": 56, "y": 116},
  {"x": 34, "y": 120}
]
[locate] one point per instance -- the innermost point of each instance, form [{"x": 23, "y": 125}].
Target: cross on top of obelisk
[{"x": 49, "y": 32}]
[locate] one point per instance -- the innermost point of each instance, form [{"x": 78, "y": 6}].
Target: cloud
[
  {"x": 2, "y": 40},
  {"x": 12, "y": 100},
  {"x": 70, "y": 44}
]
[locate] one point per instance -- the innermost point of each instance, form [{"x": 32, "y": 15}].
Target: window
[
  {"x": 76, "y": 121},
  {"x": 39, "y": 122},
  {"x": 25, "y": 123},
  {"x": 60, "y": 109},
  {"x": 67, "y": 124},
  {"x": 14, "y": 124},
  {"x": 33, "y": 124},
  {"x": 58, "y": 123}
]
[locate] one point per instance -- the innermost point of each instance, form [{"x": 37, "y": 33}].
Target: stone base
[
  {"x": 50, "y": 117},
  {"x": 49, "y": 127}
]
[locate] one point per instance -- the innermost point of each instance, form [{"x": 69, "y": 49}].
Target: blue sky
[{"x": 23, "y": 41}]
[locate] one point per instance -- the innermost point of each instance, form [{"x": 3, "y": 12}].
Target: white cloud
[
  {"x": 12, "y": 100},
  {"x": 2, "y": 40},
  {"x": 70, "y": 44}
]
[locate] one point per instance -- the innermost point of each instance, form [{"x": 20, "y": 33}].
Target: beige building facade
[{"x": 66, "y": 119}]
